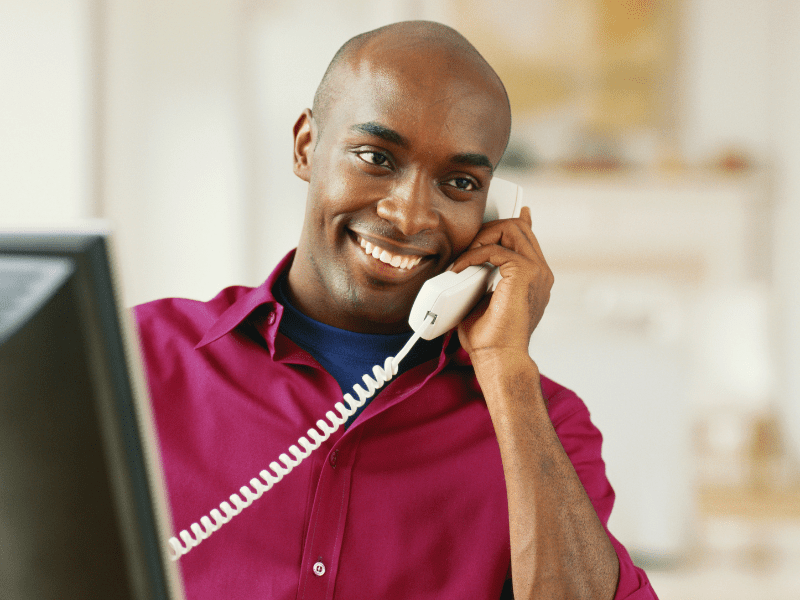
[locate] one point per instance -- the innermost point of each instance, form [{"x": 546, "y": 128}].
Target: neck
[{"x": 321, "y": 305}]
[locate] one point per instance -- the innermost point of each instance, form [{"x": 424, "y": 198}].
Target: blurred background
[{"x": 658, "y": 144}]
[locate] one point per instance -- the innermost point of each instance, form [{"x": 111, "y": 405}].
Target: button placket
[{"x": 327, "y": 521}]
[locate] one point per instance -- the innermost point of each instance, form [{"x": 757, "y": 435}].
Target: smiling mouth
[{"x": 399, "y": 261}]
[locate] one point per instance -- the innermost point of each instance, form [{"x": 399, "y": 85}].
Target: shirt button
[
  {"x": 333, "y": 457},
  {"x": 319, "y": 569},
  {"x": 271, "y": 318}
]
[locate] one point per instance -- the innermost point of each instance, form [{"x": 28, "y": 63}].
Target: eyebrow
[
  {"x": 378, "y": 130},
  {"x": 474, "y": 159}
]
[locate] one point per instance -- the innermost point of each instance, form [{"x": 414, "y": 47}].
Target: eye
[
  {"x": 374, "y": 158},
  {"x": 462, "y": 183}
]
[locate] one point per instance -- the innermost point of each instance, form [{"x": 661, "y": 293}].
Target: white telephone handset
[
  {"x": 444, "y": 300},
  {"x": 442, "y": 303}
]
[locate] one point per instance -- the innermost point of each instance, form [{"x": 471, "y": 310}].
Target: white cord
[
  {"x": 206, "y": 527},
  {"x": 404, "y": 350}
]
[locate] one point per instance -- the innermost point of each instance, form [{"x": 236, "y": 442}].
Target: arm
[{"x": 559, "y": 548}]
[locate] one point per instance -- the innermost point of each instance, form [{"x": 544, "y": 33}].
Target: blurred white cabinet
[{"x": 698, "y": 227}]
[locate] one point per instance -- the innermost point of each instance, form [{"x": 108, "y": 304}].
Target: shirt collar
[{"x": 246, "y": 304}]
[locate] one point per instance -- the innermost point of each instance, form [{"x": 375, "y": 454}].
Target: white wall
[
  {"x": 741, "y": 88},
  {"x": 725, "y": 78},
  {"x": 173, "y": 178},
  {"x": 45, "y": 111},
  {"x": 784, "y": 91}
]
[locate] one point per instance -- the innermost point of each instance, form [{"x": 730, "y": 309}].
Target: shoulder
[
  {"x": 170, "y": 319},
  {"x": 582, "y": 441},
  {"x": 571, "y": 420},
  {"x": 562, "y": 403}
]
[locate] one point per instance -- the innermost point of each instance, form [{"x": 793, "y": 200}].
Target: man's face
[{"x": 397, "y": 177}]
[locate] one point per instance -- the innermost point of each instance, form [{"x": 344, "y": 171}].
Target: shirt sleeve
[{"x": 582, "y": 442}]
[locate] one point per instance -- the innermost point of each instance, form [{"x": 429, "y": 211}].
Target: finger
[
  {"x": 515, "y": 234},
  {"x": 510, "y": 233},
  {"x": 525, "y": 215},
  {"x": 524, "y": 223},
  {"x": 535, "y": 241},
  {"x": 498, "y": 256}
]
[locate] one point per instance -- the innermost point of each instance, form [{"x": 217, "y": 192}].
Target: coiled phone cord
[{"x": 249, "y": 495}]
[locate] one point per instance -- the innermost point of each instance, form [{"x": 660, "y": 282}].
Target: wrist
[
  {"x": 511, "y": 387},
  {"x": 492, "y": 364}
]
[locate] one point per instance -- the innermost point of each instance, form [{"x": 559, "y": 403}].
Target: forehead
[{"x": 447, "y": 104}]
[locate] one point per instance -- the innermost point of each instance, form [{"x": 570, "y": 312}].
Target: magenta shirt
[{"x": 409, "y": 502}]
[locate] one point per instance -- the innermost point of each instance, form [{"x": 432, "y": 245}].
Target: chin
[{"x": 377, "y": 313}]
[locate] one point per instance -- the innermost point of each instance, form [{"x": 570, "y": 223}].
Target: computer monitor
[{"x": 82, "y": 509}]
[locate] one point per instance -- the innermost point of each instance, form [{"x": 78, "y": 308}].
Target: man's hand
[{"x": 505, "y": 321}]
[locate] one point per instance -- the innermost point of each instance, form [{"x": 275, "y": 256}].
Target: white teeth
[
  {"x": 412, "y": 262},
  {"x": 396, "y": 260}
]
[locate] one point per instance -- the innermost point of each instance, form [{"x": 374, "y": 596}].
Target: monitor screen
[{"x": 82, "y": 511}]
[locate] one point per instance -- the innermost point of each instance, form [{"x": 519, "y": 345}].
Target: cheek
[
  {"x": 330, "y": 195},
  {"x": 463, "y": 225},
  {"x": 338, "y": 184}
]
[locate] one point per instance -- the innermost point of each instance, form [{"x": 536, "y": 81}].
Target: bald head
[{"x": 429, "y": 51}]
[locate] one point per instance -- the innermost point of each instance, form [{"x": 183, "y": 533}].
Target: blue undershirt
[{"x": 347, "y": 355}]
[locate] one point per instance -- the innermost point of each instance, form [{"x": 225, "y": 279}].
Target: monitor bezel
[{"x": 122, "y": 403}]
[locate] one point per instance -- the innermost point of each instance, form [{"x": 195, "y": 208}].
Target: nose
[{"x": 410, "y": 206}]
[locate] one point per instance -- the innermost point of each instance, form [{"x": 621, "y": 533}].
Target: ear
[{"x": 305, "y": 133}]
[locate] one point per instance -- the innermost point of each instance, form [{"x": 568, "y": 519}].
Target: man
[{"x": 468, "y": 468}]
